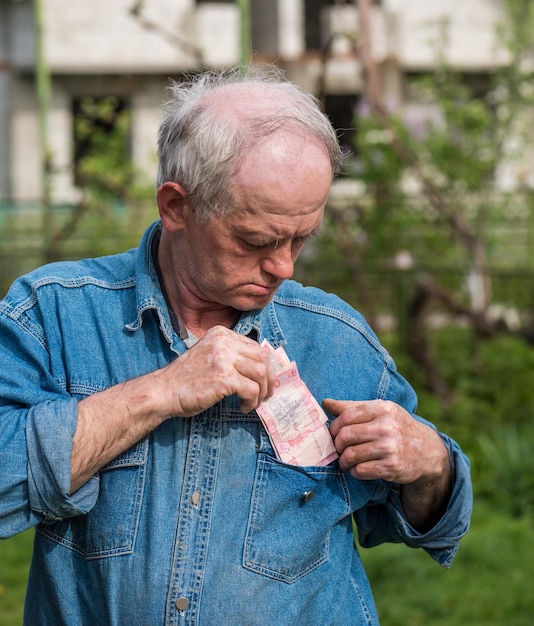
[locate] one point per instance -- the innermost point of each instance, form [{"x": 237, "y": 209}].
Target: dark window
[
  {"x": 101, "y": 130},
  {"x": 341, "y": 109},
  {"x": 312, "y": 15}
]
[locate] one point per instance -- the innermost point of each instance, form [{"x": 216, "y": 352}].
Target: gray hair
[{"x": 201, "y": 147}]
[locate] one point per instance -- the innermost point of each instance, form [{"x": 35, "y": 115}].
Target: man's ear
[{"x": 174, "y": 206}]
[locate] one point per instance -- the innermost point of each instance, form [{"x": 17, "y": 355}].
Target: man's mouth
[{"x": 264, "y": 290}]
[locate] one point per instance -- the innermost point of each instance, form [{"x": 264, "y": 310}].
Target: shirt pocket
[
  {"x": 293, "y": 510},
  {"x": 110, "y": 528}
]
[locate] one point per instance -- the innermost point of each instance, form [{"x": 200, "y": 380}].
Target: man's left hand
[{"x": 379, "y": 439}]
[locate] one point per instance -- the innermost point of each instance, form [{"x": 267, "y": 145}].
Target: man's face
[{"x": 240, "y": 260}]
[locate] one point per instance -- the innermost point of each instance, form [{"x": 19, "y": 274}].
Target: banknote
[{"x": 294, "y": 420}]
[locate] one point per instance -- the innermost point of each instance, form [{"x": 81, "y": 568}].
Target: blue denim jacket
[{"x": 198, "y": 523}]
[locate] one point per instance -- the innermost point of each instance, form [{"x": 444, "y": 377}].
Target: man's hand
[
  {"x": 220, "y": 364},
  {"x": 381, "y": 440}
]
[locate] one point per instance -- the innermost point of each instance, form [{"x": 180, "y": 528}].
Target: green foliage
[
  {"x": 491, "y": 414},
  {"x": 430, "y": 182},
  {"x": 14, "y": 565},
  {"x": 506, "y": 478},
  {"x": 379, "y": 164},
  {"x": 114, "y": 198},
  {"x": 489, "y": 583},
  {"x": 501, "y": 380},
  {"x": 461, "y": 149},
  {"x": 491, "y": 381},
  {"x": 105, "y": 171},
  {"x": 423, "y": 240}
]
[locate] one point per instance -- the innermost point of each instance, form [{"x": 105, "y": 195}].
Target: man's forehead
[
  {"x": 256, "y": 230},
  {"x": 264, "y": 226}
]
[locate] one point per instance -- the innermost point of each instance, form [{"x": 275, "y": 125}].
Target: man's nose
[{"x": 279, "y": 262}]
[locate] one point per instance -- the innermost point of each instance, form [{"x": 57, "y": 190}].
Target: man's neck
[{"x": 195, "y": 314}]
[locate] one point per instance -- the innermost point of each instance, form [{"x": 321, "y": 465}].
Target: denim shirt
[{"x": 198, "y": 523}]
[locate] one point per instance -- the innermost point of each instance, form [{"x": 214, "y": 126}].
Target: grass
[
  {"x": 14, "y": 564},
  {"x": 489, "y": 584}
]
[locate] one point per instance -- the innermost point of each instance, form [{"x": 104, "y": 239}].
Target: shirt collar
[{"x": 149, "y": 295}]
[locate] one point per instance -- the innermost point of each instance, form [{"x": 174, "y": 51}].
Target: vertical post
[
  {"x": 43, "y": 89},
  {"x": 244, "y": 32},
  {"x": 372, "y": 92}
]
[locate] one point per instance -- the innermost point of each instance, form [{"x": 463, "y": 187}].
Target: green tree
[
  {"x": 430, "y": 197},
  {"x": 113, "y": 195}
]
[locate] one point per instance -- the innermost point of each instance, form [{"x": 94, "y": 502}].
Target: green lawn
[
  {"x": 489, "y": 584},
  {"x": 14, "y": 563}
]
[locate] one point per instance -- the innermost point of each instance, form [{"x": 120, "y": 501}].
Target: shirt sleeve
[
  {"x": 37, "y": 422},
  {"x": 386, "y": 521}
]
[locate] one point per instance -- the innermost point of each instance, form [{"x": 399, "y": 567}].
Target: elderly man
[{"x": 129, "y": 430}]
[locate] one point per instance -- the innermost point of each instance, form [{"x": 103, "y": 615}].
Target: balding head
[{"x": 214, "y": 120}]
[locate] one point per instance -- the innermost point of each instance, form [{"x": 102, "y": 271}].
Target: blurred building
[{"x": 130, "y": 48}]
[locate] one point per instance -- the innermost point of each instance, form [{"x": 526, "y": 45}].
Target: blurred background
[{"x": 429, "y": 231}]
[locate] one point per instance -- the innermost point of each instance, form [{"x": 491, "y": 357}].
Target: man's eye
[
  {"x": 273, "y": 243},
  {"x": 255, "y": 245},
  {"x": 258, "y": 245}
]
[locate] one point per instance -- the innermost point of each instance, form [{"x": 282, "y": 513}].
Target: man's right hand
[{"x": 220, "y": 364}]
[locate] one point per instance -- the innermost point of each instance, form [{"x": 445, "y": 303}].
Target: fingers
[
  {"x": 370, "y": 460},
  {"x": 349, "y": 412},
  {"x": 377, "y": 439},
  {"x": 335, "y": 407},
  {"x": 221, "y": 364},
  {"x": 243, "y": 364}
]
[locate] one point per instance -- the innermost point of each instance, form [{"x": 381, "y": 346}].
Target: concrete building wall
[
  {"x": 467, "y": 29},
  {"x": 5, "y": 94},
  {"x": 104, "y": 37},
  {"x": 24, "y": 159},
  {"x": 146, "y": 115},
  {"x": 160, "y": 36},
  {"x": 20, "y": 34},
  {"x": 61, "y": 144},
  {"x": 291, "y": 28},
  {"x": 130, "y": 48}
]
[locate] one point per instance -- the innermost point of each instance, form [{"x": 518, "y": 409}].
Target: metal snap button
[{"x": 182, "y": 603}]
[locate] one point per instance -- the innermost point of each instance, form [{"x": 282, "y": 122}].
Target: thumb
[{"x": 334, "y": 407}]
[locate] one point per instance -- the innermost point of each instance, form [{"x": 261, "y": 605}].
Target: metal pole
[
  {"x": 244, "y": 32},
  {"x": 43, "y": 89},
  {"x": 372, "y": 91}
]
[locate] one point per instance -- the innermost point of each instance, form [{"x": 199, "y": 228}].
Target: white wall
[
  {"x": 167, "y": 36},
  {"x": 25, "y": 150},
  {"x": 146, "y": 117},
  {"x": 468, "y": 28},
  {"x": 102, "y": 38}
]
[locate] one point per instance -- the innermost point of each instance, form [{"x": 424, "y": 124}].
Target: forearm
[
  {"x": 425, "y": 500},
  {"x": 110, "y": 422}
]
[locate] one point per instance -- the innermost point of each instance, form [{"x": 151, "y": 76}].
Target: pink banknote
[{"x": 294, "y": 420}]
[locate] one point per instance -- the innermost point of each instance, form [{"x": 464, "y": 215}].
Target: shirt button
[
  {"x": 195, "y": 498},
  {"x": 182, "y": 603},
  {"x": 307, "y": 495}
]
